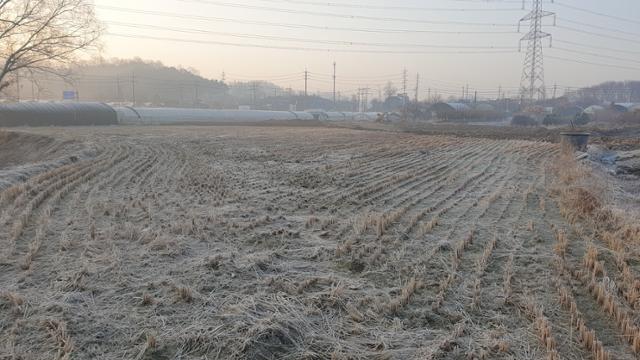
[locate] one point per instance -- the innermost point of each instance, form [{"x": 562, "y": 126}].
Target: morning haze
[{"x": 319, "y": 180}]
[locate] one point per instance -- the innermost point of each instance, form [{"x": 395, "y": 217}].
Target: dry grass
[
  {"x": 58, "y": 332},
  {"x": 258, "y": 243}
]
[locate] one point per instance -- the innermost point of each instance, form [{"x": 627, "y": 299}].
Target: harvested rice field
[{"x": 305, "y": 243}]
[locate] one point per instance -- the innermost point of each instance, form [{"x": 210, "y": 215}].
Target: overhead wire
[
  {"x": 386, "y": 7},
  {"x": 339, "y": 15},
  {"x": 298, "y": 26},
  {"x": 297, "y": 48},
  {"x": 592, "y": 12},
  {"x": 314, "y": 41}
]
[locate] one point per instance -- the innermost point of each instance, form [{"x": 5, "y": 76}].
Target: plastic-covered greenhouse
[
  {"x": 56, "y": 114},
  {"x": 83, "y": 114},
  {"x": 139, "y": 115}
]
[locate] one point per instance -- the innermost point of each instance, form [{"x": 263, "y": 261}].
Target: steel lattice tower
[{"x": 532, "y": 84}]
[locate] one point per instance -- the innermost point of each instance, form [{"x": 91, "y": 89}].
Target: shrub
[
  {"x": 582, "y": 119},
  {"x": 523, "y": 120},
  {"x": 553, "y": 119}
]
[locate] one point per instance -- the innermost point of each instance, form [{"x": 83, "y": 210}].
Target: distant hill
[
  {"x": 122, "y": 81},
  {"x": 611, "y": 91}
]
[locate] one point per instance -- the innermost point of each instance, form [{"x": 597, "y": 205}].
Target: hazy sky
[{"x": 448, "y": 47}]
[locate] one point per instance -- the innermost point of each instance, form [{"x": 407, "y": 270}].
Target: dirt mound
[
  {"x": 24, "y": 155},
  {"x": 17, "y": 148}
]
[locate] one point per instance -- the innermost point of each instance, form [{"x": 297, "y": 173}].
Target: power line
[
  {"x": 343, "y": 16},
  {"x": 580, "y": 61},
  {"x": 314, "y": 41},
  {"x": 577, "y": 8},
  {"x": 296, "y": 26},
  {"x": 592, "y": 33},
  {"x": 371, "y": 77},
  {"x": 297, "y": 48},
  {"x": 595, "y": 26},
  {"x": 386, "y": 7},
  {"x": 596, "y": 55},
  {"x": 590, "y": 46}
]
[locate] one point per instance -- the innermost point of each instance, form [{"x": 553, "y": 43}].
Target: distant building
[
  {"x": 444, "y": 107},
  {"x": 486, "y": 107},
  {"x": 624, "y": 107}
]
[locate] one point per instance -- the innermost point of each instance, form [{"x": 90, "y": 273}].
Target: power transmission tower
[
  {"x": 306, "y": 79},
  {"x": 363, "y": 99},
  {"x": 532, "y": 84},
  {"x": 405, "y": 79}
]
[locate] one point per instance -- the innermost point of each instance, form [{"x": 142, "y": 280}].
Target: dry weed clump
[
  {"x": 456, "y": 258},
  {"x": 586, "y": 336},
  {"x": 402, "y": 300},
  {"x": 481, "y": 267},
  {"x": 282, "y": 327},
  {"x": 147, "y": 299},
  {"x": 607, "y": 300},
  {"x": 427, "y": 227},
  {"x": 14, "y": 300},
  {"x": 150, "y": 343},
  {"x": 58, "y": 331},
  {"x": 543, "y": 328},
  {"x": 184, "y": 294},
  {"x": 581, "y": 197},
  {"x": 580, "y": 194},
  {"x": 447, "y": 343},
  {"x": 311, "y": 222},
  {"x": 508, "y": 279},
  {"x": 562, "y": 243}
]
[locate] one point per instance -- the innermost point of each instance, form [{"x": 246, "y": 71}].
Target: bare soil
[{"x": 290, "y": 243}]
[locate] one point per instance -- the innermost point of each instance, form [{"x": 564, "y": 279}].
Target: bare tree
[
  {"x": 44, "y": 36},
  {"x": 390, "y": 90}
]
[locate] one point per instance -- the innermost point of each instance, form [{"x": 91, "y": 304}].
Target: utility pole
[
  {"x": 499, "y": 92},
  {"x": 405, "y": 79},
  {"x": 467, "y": 93},
  {"x": 306, "y": 79},
  {"x": 475, "y": 97},
  {"x": 133, "y": 88},
  {"x": 334, "y": 83},
  {"x": 532, "y": 83},
  {"x": 365, "y": 102},
  {"x": 555, "y": 89},
  {"x": 417, "y": 86}
]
